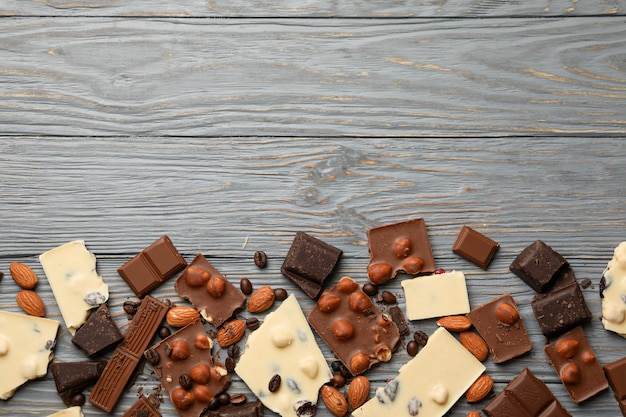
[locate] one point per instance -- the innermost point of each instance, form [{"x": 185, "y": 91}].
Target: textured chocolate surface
[
  {"x": 561, "y": 309},
  {"x": 384, "y": 249},
  {"x": 505, "y": 340},
  {"x": 525, "y": 396},
  {"x": 152, "y": 266},
  {"x": 309, "y": 263},
  {"x": 616, "y": 374},
  {"x": 537, "y": 265},
  {"x": 577, "y": 365},
  {"x": 141, "y": 408},
  {"x": 475, "y": 247},
  {"x": 98, "y": 333},
  {"x": 216, "y": 308},
  {"x": 71, "y": 378},
  {"x": 249, "y": 409}
]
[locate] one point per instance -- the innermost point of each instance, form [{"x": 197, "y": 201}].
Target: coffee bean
[
  {"x": 213, "y": 405},
  {"x": 370, "y": 289},
  {"x": 420, "y": 337},
  {"x": 412, "y": 348},
  {"x": 185, "y": 381},
  {"x": 252, "y": 323},
  {"x": 152, "y": 356},
  {"x": 130, "y": 307},
  {"x": 388, "y": 298},
  {"x": 260, "y": 259},
  {"x": 164, "y": 332},
  {"x": 230, "y": 365},
  {"x": 223, "y": 398},
  {"x": 246, "y": 286},
  {"x": 77, "y": 400},
  {"x": 280, "y": 294},
  {"x": 237, "y": 399},
  {"x": 233, "y": 351},
  {"x": 274, "y": 383}
]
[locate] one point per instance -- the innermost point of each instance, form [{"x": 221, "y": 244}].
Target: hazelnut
[
  {"x": 216, "y": 286},
  {"x": 201, "y": 373},
  {"x": 570, "y": 374},
  {"x": 567, "y": 348},
  {"x": 412, "y": 265},
  {"x": 203, "y": 342},
  {"x": 343, "y": 329},
  {"x": 384, "y": 320},
  {"x": 180, "y": 350},
  {"x": 379, "y": 273},
  {"x": 328, "y": 302},
  {"x": 196, "y": 277},
  {"x": 202, "y": 393},
  {"x": 182, "y": 399},
  {"x": 507, "y": 314},
  {"x": 359, "y": 363},
  {"x": 347, "y": 285},
  {"x": 402, "y": 247},
  {"x": 588, "y": 357},
  {"x": 359, "y": 302},
  {"x": 383, "y": 353}
]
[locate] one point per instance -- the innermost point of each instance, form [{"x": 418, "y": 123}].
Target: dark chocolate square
[
  {"x": 475, "y": 247},
  {"x": 560, "y": 310},
  {"x": 309, "y": 263},
  {"x": 71, "y": 378},
  {"x": 98, "y": 333},
  {"x": 537, "y": 265}
]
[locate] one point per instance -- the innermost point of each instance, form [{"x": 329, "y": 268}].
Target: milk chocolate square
[
  {"x": 537, "y": 265},
  {"x": 475, "y": 247}
]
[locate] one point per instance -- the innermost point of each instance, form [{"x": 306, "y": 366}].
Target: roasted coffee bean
[
  {"x": 388, "y": 298},
  {"x": 274, "y": 383},
  {"x": 233, "y": 351},
  {"x": 237, "y": 399},
  {"x": 164, "y": 332},
  {"x": 185, "y": 381},
  {"x": 252, "y": 323},
  {"x": 280, "y": 294},
  {"x": 130, "y": 307},
  {"x": 213, "y": 405},
  {"x": 420, "y": 337},
  {"x": 223, "y": 398},
  {"x": 412, "y": 348},
  {"x": 152, "y": 356},
  {"x": 370, "y": 289},
  {"x": 77, "y": 400},
  {"x": 246, "y": 286},
  {"x": 230, "y": 365},
  {"x": 260, "y": 259}
]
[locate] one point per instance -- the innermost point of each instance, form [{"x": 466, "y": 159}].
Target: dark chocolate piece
[
  {"x": 353, "y": 327},
  {"x": 309, "y": 263},
  {"x": 399, "y": 247},
  {"x": 142, "y": 408},
  {"x": 562, "y": 279},
  {"x": 219, "y": 303},
  {"x": 560, "y": 310},
  {"x": 577, "y": 365},
  {"x": 152, "y": 266},
  {"x": 249, "y": 409},
  {"x": 616, "y": 374},
  {"x": 187, "y": 370},
  {"x": 71, "y": 378},
  {"x": 525, "y": 396},
  {"x": 398, "y": 318},
  {"x": 98, "y": 333},
  {"x": 537, "y": 265},
  {"x": 501, "y": 325},
  {"x": 127, "y": 356},
  {"x": 475, "y": 247}
]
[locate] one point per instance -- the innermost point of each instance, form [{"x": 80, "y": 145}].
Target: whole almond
[
  {"x": 479, "y": 389},
  {"x": 261, "y": 300},
  {"x": 31, "y": 303},
  {"x": 180, "y": 316},
  {"x": 23, "y": 275},
  {"x": 472, "y": 413},
  {"x": 230, "y": 333},
  {"x": 334, "y": 400},
  {"x": 455, "y": 323},
  {"x": 475, "y": 344},
  {"x": 358, "y": 391}
]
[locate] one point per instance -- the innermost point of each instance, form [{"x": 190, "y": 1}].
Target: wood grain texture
[
  {"x": 228, "y": 197},
  {"x": 316, "y": 77}
]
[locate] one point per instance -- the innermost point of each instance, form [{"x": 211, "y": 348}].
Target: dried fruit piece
[
  {"x": 334, "y": 400},
  {"x": 31, "y": 303},
  {"x": 455, "y": 323},
  {"x": 261, "y": 300},
  {"x": 479, "y": 389},
  {"x": 23, "y": 275}
]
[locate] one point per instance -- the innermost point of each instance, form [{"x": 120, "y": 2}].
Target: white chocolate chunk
[
  {"x": 614, "y": 294},
  {"x": 429, "y": 384},
  {"x": 28, "y": 348},
  {"x": 77, "y": 287},
  {"x": 284, "y": 345},
  {"x": 436, "y": 295},
  {"x": 68, "y": 412}
]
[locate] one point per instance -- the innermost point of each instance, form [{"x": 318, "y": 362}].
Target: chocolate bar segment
[
  {"x": 399, "y": 247},
  {"x": 98, "y": 333},
  {"x": 475, "y": 247},
  {"x": 576, "y": 364},
  {"x": 560, "y": 310},
  {"x": 525, "y": 396},
  {"x": 71, "y": 378},
  {"x": 152, "y": 266},
  {"x": 142, "y": 408},
  {"x": 616, "y": 374},
  {"x": 209, "y": 291},
  {"x": 122, "y": 366},
  {"x": 309, "y": 263},
  {"x": 537, "y": 265}
]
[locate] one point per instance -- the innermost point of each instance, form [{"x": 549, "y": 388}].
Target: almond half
[
  {"x": 475, "y": 344},
  {"x": 479, "y": 389},
  {"x": 31, "y": 303},
  {"x": 23, "y": 275},
  {"x": 455, "y": 323}
]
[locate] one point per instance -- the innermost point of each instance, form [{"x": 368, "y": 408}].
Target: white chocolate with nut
[
  {"x": 436, "y": 295},
  {"x": 26, "y": 344},
  {"x": 284, "y": 345},
  {"x": 77, "y": 287},
  {"x": 429, "y": 384},
  {"x": 68, "y": 412},
  {"x": 614, "y": 292}
]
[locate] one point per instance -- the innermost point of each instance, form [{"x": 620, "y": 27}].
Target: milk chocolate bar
[
  {"x": 152, "y": 266},
  {"x": 576, "y": 364},
  {"x": 616, "y": 374},
  {"x": 560, "y": 310},
  {"x": 353, "y": 327},
  {"x": 537, "y": 265},
  {"x": 399, "y": 247},
  {"x": 209, "y": 291},
  {"x": 475, "y": 247},
  {"x": 122, "y": 366}
]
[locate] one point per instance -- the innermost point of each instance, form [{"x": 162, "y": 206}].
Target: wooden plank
[
  {"x": 309, "y": 8},
  {"x": 228, "y": 197},
  {"x": 321, "y": 77}
]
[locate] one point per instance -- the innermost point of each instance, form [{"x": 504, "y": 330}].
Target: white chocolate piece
[
  {"x": 614, "y": 300},
  {"x": 68, "y": 412},
  {"x": 429, "y": 384},
  {"x": 284, "y": 345},
  {"x": 436, "y": 295},
  {"x": 27, "y": 343},
  {"x": 77, "y": 287}
]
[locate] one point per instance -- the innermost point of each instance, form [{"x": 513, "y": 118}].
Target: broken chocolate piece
[
  {"x": 98, "y": 333},
  {"x": 142, "y": 408},
  {"x": 73, "y": 378},
  {"x": 249, "y": 409},
  {"x": 537, "y": 265},
  {"x": 475, "y": 247},
  {"x": 560, "y": 310},
  {"x": 616, "y": 374},
  {"x": 398, "y": 318}
]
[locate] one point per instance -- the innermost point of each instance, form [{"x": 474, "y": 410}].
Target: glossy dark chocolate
[
  {"x": 398, "y": 318},
  {"x": 616, "y": 374},
  {"x": 475, "y": 247},
  {"x": 561, "y": 309},
  {"x": 71, "y": 378},
  {"x": 152, "y": 266},
  {"x": 98, "y": 333},
  {"x": 537, "y": 265},
  {"x": 309, "y": 263}
]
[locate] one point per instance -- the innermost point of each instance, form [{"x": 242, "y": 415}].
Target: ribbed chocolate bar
[
  {"x": 121, "y": 367},
  {"x": 142, "y": 407}
]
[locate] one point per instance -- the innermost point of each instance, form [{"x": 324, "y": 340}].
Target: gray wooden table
[{"x": 229, "y": 126}]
